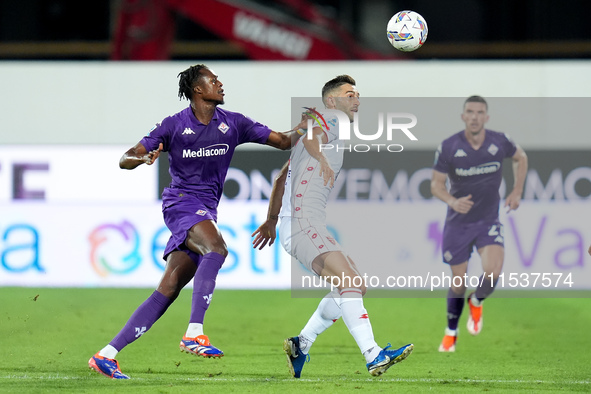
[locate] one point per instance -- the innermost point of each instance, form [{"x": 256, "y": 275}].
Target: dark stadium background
[{"x": 467, "y": 29}]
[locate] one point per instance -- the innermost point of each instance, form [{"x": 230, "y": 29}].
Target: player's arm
[
  {"x": 519, "y": 172},
  {"x": 285, "y": 140},
  {"x": 439, "y": 190},
  {"x": 266, "y": 233},
  {"x": 138, "y": 155},
  {"x": 313, "y": 147}
]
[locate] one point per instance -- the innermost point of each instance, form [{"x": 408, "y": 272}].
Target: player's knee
[
  {"x": 495, "y": 275},
  {"x": 497, "y": 271},
  {"x": 353, "y": 280},
  {"x": 458, "y": 290},
  {"x": 210, "y": 245},
  {"x": 491, "y": 278},
  {"x": 363, "y": 289},
  {"x": 493, "y": 270},
  {"x": 219, "y": 249},
  {"x": 359, "y": 284}
]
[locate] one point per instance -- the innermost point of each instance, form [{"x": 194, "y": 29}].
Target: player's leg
[
  {"x": 455, "y": 305},
  {"x": 492, "y": 257},
  {"x": 457, "y": 246},
  {"x": 327, "y": 313},
  {"x": 204, "y": 239},
  {"x": 342, "y": 271},
  {"x": 490, "y": 246},
  {"x": 328, "y": 310},
  {"x": 179, "y": 270},
  {"x": 297, "y": 348}
]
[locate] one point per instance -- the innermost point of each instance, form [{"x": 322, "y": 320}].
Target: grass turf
[{"x": 47, "y": 336}]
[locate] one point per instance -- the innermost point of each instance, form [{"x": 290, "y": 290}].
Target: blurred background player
[
  {"x": 200, "y": 140},
  {"x": 472, "y": 160},
  {"x": 299, "y": 197}
]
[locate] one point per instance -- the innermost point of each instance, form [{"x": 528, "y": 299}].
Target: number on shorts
[{"x": 497, "y": 232}]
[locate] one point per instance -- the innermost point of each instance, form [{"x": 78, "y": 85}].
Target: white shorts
[{"x": 305, "y": 240}]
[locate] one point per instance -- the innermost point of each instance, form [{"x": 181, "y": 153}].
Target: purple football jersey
[
  {"x": 199, "y": 154},
  {"x": 476, "y": 172}
]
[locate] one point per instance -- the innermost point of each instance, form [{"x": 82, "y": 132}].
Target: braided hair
[{"x": 188, "y": 80}]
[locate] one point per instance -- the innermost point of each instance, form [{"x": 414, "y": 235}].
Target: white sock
[
  {"x": 475, "y": 301},
  {"x": 326, "y": 314},
  {"x": 108, "y": 352},
  {"x": 194, "y": 330},
  {"x": 372, "y": 353},
  {"x": 357, "y": 321},
  {"x": 450, "y": 332}
]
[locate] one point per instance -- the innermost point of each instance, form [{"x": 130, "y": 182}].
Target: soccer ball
[{"x": 407, "y": 31}]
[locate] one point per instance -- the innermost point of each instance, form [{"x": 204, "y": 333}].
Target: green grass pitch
[{"x": 47, "y": 336}]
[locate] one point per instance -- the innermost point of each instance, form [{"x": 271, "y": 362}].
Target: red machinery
[{"x": 289, "y": 30}]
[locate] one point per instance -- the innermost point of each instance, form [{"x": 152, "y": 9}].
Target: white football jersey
[{"x": 305, "y": 194}]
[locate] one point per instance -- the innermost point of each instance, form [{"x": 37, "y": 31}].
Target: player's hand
[
  {"x": 463, "y": 204},
  {"x": 265, "y": 234},
  {"x": 305, "y": 116},
  {"x": 512, "y": 201},
  {"x": 152, "y": 155},
  {"x": 327, "y": 173}
]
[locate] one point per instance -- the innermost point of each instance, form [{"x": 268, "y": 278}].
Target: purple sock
[
  {"x": 485, "y": 287},
  {"x": 141, "y": 320},
  {"x": 455, "y": 305},
  {"x": 204, "y": 285}
]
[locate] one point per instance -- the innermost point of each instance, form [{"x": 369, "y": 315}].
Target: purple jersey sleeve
[
  {"x": 442, "y": 163},
  {"x": 509, "y": 146},
  {"x": 160, "y": 133},
  {"x": 252, "y": 131}
]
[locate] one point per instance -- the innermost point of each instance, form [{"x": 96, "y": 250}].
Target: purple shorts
[
  {"x": 459, "y": 240},
  {"x": 181, "y": 212}
]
